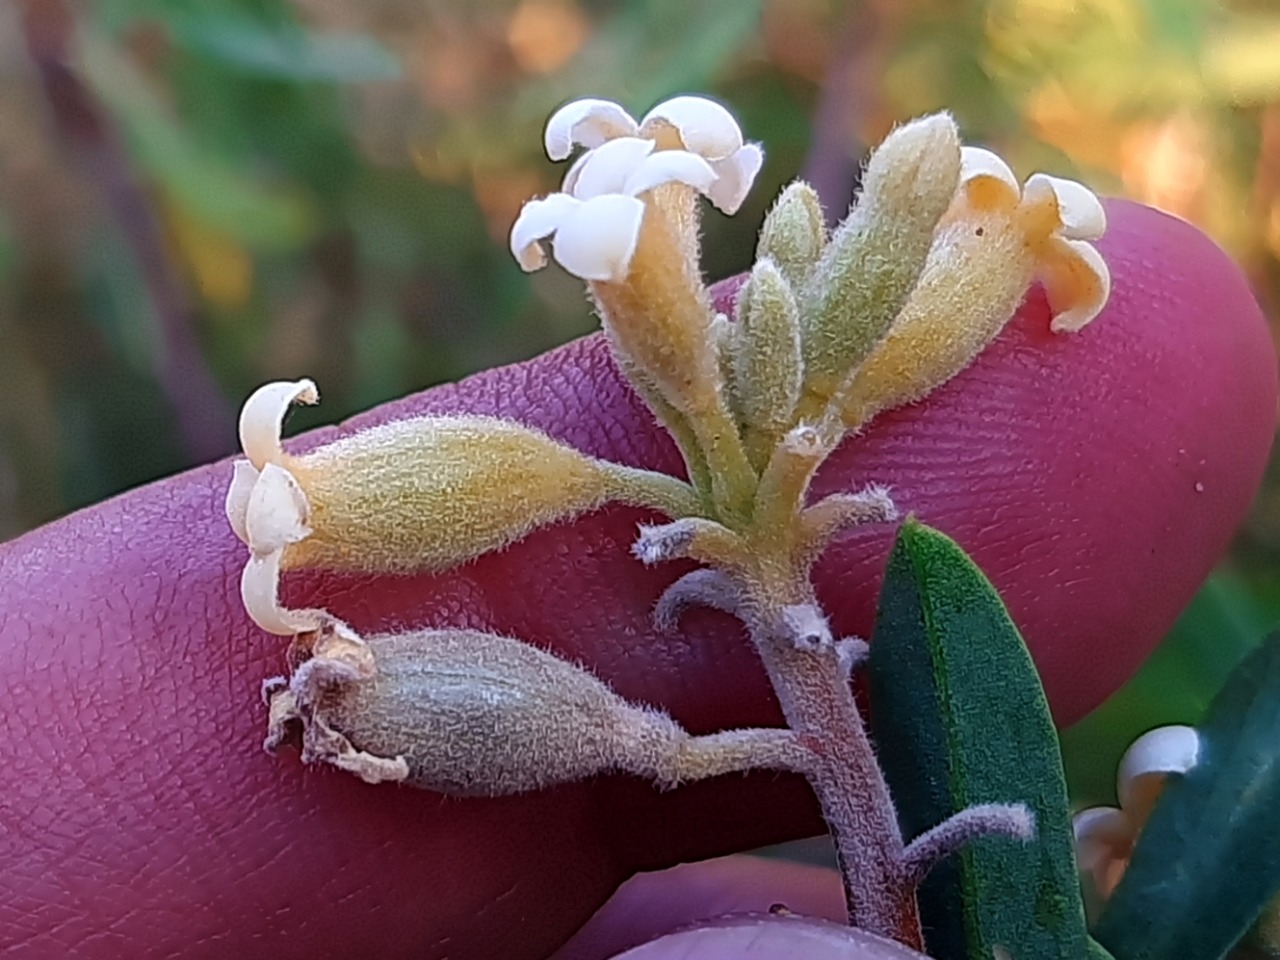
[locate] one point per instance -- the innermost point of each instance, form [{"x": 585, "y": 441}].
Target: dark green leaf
[
  {"x": 1209, "y": 857},
  {"x": 960, "y": 718}
]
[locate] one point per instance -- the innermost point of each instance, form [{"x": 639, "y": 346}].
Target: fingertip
[{"x": 651, "y": 905}]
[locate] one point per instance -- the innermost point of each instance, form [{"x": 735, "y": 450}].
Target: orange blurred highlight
[
  {"x": 1089, "y": 137},
  {"x": 221, "y": 268},
  {"x": 544, "y": 34},
  {"x": 1165, "y": 164},
  {"x": 501, "y": 193},
  {"x": 798, "y": 36}
]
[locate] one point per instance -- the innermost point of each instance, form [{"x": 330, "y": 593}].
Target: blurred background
[{"x": 200, "y": 195}]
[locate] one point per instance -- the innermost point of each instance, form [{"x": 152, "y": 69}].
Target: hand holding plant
[{"x": 258, "y": 840}]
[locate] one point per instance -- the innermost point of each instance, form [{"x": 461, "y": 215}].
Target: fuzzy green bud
[
  {"x": 876, "y": 255},
  {"x": 767, "y": 373},
  {"x": 476, "y": 714},
  {"x": 794, "y": 232},
  {"x": 420, "y": 494}
]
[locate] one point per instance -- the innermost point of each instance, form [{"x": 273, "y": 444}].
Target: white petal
[
  {"x": 1077, "y": 281},
  {"x": 1101, "y": 833},
  {"x": 704, "y": 126},
  {"x": 277, "y": 513},
  {"x": 670, "y": 166},
  {"x": 1151, "y": 758},
  {"x": 587, "y": 122},
  {"x": 598, "y": 239},
  {"x": 263, "y": 414},
  {"x": 606, "y": 169},
  {"x": 538, "y": 219},
  {"x": 734, "y": 176},
  {"x": 1079, "y": 209},
  {"x": 976, "y": 162},
  {"x": 237, "y": 504},
  {"x": 260, "y": 591}
]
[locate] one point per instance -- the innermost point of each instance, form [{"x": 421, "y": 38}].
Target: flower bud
[
  {"x": 767, "y": 370},
  {"x": 794, "y": 232},
  {"x": 876, "y": 256},
  {"x": 419, "y": 494},
  {"x": 976, "y": 275},
  {"x": 475, "y": 714}
]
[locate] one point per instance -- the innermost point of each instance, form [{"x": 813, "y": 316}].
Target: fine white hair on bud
[
  {"x": 477, "y": 714},
  {"x": 993, "y": 241}
]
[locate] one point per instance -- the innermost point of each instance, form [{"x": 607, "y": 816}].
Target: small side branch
[
  {"x": 707, "y": 587},
  {"x": 1013, "y": 820},
  {"x": 692, "y": 538}
]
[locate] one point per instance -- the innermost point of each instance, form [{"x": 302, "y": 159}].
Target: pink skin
[{"x": 1095, "y": 477}]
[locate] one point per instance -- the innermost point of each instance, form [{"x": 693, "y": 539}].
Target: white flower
[
  {"x": 267, "y": 508},
  {"x": 596, "y": 218},
  {"x": 1104, "y": 836},
  {"x": 1059, "y": 218}
]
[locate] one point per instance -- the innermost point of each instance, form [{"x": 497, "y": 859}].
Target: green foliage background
[{"x": 200, "y": 195}]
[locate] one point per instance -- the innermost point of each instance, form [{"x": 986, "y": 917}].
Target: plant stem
[
  {"x": 816, "y": 700},
  {"x": 647, "y": 488}
]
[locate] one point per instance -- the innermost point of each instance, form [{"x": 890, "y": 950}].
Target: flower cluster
[
  {"x": 688, "y": 142},
  {"x": 829, "y": 329}
]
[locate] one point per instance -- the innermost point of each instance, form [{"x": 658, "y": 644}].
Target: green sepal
[
  {"x": 959, "y": 718},
  {"x": 1208, "y": 860}
]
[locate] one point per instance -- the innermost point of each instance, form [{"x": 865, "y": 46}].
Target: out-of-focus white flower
[
  {"x": 1058, "y": 218},
  {"x": 1104, "y": 836},
  {"x": 596, "y": 218}
]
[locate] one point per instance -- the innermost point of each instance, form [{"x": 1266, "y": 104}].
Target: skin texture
[{"x": 1095, "y": 477}]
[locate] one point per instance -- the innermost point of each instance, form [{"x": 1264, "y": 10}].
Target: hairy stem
[
  {"x": 679, "y": 757},
  {"x": 732, "y": 477},
  {"x": 647, "y": 488},
  {"x": 815, "y": 697}
]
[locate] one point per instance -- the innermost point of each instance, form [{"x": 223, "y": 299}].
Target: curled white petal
[
  {"x": 587, "y": 122},
  {"x": 1079, "y": 209},
  {"x": 670, "y": 166},
  {"x": 1152, "y": 757},
  {"x": 570, "y": 181},
  {"x": 598, "y": 239},
  {"x": 976, "y": 162},
  {"x": 260, "y": 591},
  {"x": 1078, "y": 286},
  {"x": 538, "y": 219},
  {"x": 263, "y": 415},
  {"x": 605, "y": 170},
  {"x": 277, "y": 511},
  {"x": 1101, "y": 833},
  {"x": 734, "y": 176},
  {"x": 704, "y": 126},
  {"x": 243, "y": 478}
]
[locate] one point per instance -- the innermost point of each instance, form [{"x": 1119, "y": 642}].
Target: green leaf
[
  {"x": 202, "y": 183},
  {"x": 1209, "y": 856},
  {"x": 960, "y": 718},
  {"x": 283, "y": 50},
  {"x": 1176, "y": 685}
]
